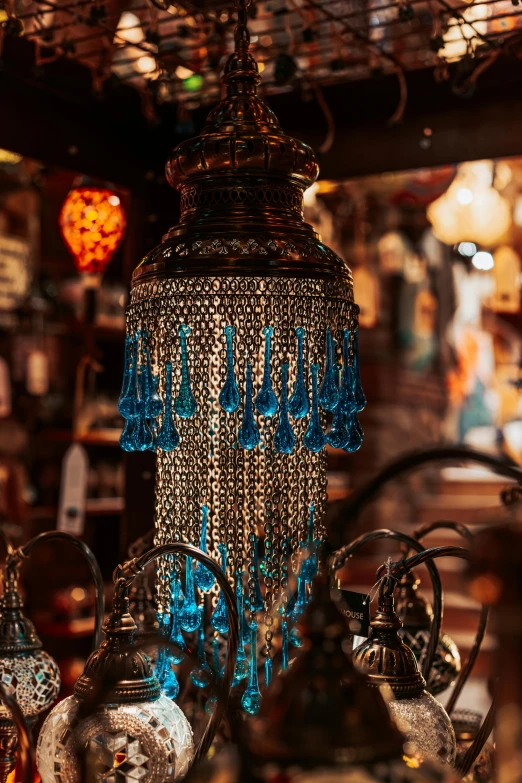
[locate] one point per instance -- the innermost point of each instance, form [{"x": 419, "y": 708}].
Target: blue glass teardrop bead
[
  {"x": 189, "y": 615},
  {"x": 299, "y": 404},
  {"x": 356, "y": 433},
  {"x": 241, "y": 670},
  {"x": 347, "y": 401},
  {"x": 338, "y": 434},
  {"x": 176, "y": 637},
  {"x": 142, "y": 433},
  {"x": 127, "y": 435},
  {"x": 284, "y": 643},
  {"x": 201, "y": 674},
  {"x": 302, "y": 599},
  {"x": 219, "y": 619},
  {"x": 314, "y": 438},
  {"x": 248, "y": 435},
  {"x": 284, "y": 438},
  {"x": 203, "y": 578},
  {"x": 360, "y": 398},
  {"x": 329, "y": 391},
  {"x": 168, "y": 436},
  {"x": 153, "y": 404},
  {"x": 164, "y": 672},
  {"x": 128, "y": 402},
  {"x": 268, "y": 670},
  {"x": 251, "y": 700},
  {"x": 124, "y": 401},
  {"x": 295, "y": 637},
  {"x": 185, "y": 403},
  {"x": 229, "y": 397},
  {"x": 309, "y": 565},
  {"x": 266, "y": 401}
]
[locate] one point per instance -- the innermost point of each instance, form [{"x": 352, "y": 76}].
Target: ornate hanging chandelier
[{"x": 241, "y": 360}]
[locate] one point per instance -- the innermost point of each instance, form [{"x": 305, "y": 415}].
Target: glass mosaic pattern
[
  {"x": 124, "y": 743},
  {"x": 33, "y": 678}
]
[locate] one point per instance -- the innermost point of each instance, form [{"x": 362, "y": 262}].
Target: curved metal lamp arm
[
  {"x": 57, "y": 535},
  {"x": 339, "y": 558},
  {"x": 466, "y": 670},
  {"x": 478, "y": 743},
  {"x": 25, "y": 749},
  {"x": 415, "y": 459},
  {"x": 4, "y": 538},
  {"x": 124, "y": 576}
]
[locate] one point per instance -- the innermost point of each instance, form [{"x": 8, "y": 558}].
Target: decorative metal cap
[
  {"x": 320, "y": 711},
  {"x": 118, "y": 672},
  {"x": 242, "y": 135},
  {"x": 17, "y": 633},
  {"x": 412, "y": 608},
  {"x": 383, "y": 657}
]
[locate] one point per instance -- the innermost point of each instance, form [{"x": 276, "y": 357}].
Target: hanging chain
[{"x": 241, "y": 34}]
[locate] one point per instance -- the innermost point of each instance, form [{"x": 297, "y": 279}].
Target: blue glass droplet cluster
[{"x": 150, "y": 422}]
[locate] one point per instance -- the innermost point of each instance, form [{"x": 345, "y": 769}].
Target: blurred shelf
[
  {"x": 79, "y": 628},
  {"x": 95, "y": 507},
  {"x": 109, "y": 436}
]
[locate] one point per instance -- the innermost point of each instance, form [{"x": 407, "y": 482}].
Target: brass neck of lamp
[
  {"x": 17, "y": 633},
  {"x": 384, "y": 657}
]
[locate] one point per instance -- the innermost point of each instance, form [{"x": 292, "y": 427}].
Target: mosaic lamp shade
[
  {"x": 27, "y": 672},
  {"x": 241, "y": 359},
  {"x": 119, "y": 726}
]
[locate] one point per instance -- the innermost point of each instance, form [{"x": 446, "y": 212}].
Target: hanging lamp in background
[
  {"x": 92, "y": 223},
  {"x": 241, "y": 359},
  {"x": 472, "y": 209}
]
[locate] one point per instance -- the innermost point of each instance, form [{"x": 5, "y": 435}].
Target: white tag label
[
  {"x": 73, "y": 491},
  {"x": 5, "y": 389}
]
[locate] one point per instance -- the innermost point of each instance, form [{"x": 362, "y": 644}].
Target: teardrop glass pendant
[
  {"x": 189, "y": 615},
  {"x": 356, "y": 433},
  {"x": 284, "y": 438},
  {"x": 248, "y": 435},
  {"x": 176, "y": 637},
  {"x": 201, "y": 674},
  {"x": 266, "y": 401},
  {"x": 185, "y": 403},
  {"x": 299, "y": 404},
  {"x": 128, "y": 402},
  {"x": 338, "y": 435},
  {"x": 241, "y": 670},
  {"x": 229, "y": 397},
  {"x": 329, "y": 391},
  {"x": 360, "y": 398},
  {"x": 219, "y": 619},
  {"x": 314, "y": 438},
  {"x": 168, "y": 437},
  {"x": 302, "y": 599},
  {"x": 268, "y": 670},
  {"x": 143, "y": 439},
  {"x": 127, "y": 379},
  {"x": 284, "y": 643},
  {"x": 203, "y": 578},
  {"x": 153, "y": 404},
  {"x": 251, "y": 700},
  {"x": 309, "y": 565},
  {"x": 127, "y": 436}
]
